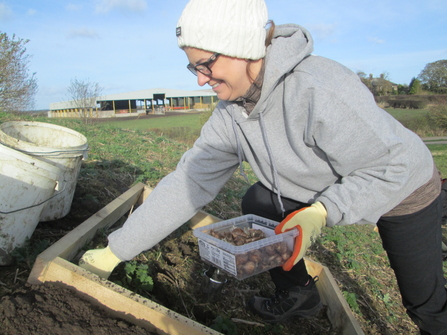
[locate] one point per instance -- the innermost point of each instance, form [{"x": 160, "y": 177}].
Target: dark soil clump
[{"x": 49, "y": 309}]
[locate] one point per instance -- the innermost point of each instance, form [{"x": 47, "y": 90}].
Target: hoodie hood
[{"x": 291, "y": 44}]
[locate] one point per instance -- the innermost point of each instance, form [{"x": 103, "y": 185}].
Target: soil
[{"x": 48, "y": 309}]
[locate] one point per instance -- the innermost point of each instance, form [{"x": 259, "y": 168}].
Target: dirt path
[{"x": 435, "y": 140}]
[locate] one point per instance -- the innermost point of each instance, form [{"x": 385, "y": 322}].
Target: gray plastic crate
[{"x": 249, "y": 259}]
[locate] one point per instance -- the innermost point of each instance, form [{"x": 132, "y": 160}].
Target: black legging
[{"x": 413, "y": 245}]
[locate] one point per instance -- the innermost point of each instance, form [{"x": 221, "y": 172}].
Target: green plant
[
  {"x": 351, "y": 299},
  {"x": 137, "y": 277},
  {"x": 224, "y": 325}
]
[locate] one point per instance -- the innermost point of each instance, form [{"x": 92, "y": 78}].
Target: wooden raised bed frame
[{"x": 53, "y": 265}]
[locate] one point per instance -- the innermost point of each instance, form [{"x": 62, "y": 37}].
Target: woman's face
[{"x": 229, "y": 77}]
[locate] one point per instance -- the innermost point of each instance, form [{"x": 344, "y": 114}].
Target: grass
[
  {"x": 439, "y": 153},
  {"x": 160, "y": 122},
  {"x": 186, "y": 128},
  {"x": 418, "y": 121},
  {"x": 401, "y": 114},
  {"x": 125, "y": 152}
]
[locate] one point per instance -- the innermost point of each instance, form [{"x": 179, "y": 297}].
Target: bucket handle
[
  {"x": 36, "y": 205},
  {"x": 83, "y": 152}
]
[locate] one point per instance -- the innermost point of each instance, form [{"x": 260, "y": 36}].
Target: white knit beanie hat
[{"x": 234, "y": 28}]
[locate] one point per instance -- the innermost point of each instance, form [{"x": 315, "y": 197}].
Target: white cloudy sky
[{"x": 129, "y": 45}]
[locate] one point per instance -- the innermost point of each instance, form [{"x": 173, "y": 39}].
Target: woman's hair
[
  {"x": 268, "y": 41},
  {"x": 270, "y": 32}
]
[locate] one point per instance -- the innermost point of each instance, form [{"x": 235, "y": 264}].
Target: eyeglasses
[{"x": 204, "y": 67}]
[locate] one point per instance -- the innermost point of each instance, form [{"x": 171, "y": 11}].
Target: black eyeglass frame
[{"x": 204, "y": 67}]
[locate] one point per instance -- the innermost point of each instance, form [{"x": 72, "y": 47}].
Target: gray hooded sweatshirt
[{"x": 316, "y": 134}]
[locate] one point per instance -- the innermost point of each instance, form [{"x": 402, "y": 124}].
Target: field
[
  {"x": 186, "y": 120},
  {"x": 402, "y": 114},
  {"x": 125, "y": 152}
]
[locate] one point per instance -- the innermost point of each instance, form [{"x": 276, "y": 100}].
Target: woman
[{"x": 323, "y": 152}]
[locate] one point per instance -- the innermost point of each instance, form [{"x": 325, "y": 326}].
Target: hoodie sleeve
[
  {"x": 199, "y": 176},
  {"x": 379, "y": 162}
]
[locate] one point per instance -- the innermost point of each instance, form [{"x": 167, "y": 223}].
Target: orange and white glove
[
  {"x": 99, "y": 261},
  {"x": 308, "y": 221}
]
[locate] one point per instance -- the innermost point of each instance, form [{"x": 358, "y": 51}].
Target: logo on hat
[{"x": 178, "y": 31}]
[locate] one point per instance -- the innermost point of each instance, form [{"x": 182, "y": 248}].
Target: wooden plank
[
  {"x": 146, "y": 191},
  {"x": 52, "y": 265},
  {"x": 338, "y": 310},
  {"x": 122, "y": 303},
  {"x": 69, "y": 245},
  {"x": 203, "y": 219}
]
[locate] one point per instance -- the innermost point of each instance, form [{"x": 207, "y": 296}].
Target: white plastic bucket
[
  {"x": 56, "y": 145},
  {"x": 26, "y": 184}
]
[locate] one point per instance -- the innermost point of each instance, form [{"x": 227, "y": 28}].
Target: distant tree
[
  {"x": 361, "y": 74},
  {"x": 378, "y": 86},
  {"x": 403, "y": 89},
  {"x": 434, "y": 76},
  {"x": 381, "y": 86},
  {"x": 385, "y": 75},
  {"x": 365, "y": 79},
  {"x": 17, "y": 86},
  {"x": 83, "y": 95},
  {"x": 415, "y": 86}
]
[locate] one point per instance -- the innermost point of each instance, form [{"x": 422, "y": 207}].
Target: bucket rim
[
  {"x": 34, "y": 163},
  {"x": 30, "y": 147},
  {"x": 42, "y": 124}
]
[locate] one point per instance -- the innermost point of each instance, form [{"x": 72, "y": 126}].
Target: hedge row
[{"x": 411, "y": 101}]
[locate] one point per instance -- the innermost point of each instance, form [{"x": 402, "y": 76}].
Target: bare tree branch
[
  {"x": 17, "y": 86},
  {"x": 83, "y": 95}
]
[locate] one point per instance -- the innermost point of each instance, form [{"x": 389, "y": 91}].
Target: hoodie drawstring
[
  {"x": 239, "y": 149},
  {"x": 269, "y": 152},
  {"x": 272, "y": 162}
]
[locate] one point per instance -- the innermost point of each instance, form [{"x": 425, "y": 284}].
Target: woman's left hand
[{"x": 308, "y": 221}]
